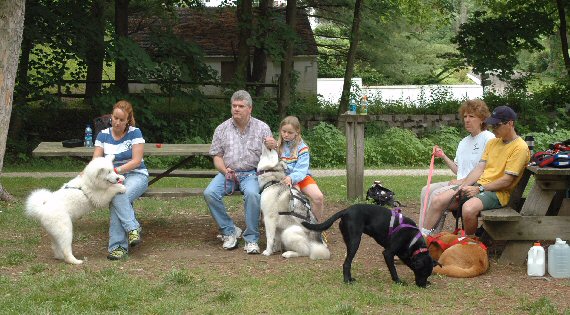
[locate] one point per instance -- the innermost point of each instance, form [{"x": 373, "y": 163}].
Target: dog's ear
[{"x": 110, "y": 157}]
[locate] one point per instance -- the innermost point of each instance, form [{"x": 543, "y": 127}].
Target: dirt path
[{"x": 188, "y": 242}]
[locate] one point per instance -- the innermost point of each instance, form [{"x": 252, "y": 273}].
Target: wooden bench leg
[{"x": 515, "y": 252}]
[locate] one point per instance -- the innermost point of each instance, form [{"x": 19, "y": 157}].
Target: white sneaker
[
  {"x": 230, "y": 241},
  {"x": 251, "y": 248}
]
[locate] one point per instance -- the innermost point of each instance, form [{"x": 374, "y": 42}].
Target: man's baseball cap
[{"x": 501, "y": 114}]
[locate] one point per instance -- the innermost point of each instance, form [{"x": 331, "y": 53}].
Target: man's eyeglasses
[{"x": 499, "y": 124}]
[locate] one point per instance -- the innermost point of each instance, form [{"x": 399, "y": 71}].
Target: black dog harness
[
  {"x": 78, "y": 188},
  {"x": 297, "y": 196},
  {"x": 397, "y": 215}
]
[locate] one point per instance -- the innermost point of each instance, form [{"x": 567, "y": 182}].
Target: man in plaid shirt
[{"x": 236, "y": 149}]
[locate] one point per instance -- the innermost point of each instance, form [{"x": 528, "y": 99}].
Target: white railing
[{"x": 330, "y": 90}]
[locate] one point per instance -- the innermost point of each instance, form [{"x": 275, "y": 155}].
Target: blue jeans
[
  {"x": 122, "y": 214},
  {"x": 249, "y": 185}
]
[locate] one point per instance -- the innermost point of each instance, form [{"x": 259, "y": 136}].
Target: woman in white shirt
[{"x": 469, "y": 150}]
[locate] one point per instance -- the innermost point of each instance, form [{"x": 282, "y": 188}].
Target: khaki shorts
[{"x": 488, "y": 198}]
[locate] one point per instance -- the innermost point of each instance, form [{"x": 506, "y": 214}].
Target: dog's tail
[
  {"x": 35, "y": 202},
  {"x": 326, "y": 224}
]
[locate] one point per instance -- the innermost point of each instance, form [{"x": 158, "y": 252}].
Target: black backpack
[
  {"x": 100, "y": 123},
  {"x": 382, "y": 195}
]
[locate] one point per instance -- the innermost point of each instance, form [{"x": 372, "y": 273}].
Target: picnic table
[
  {"x": 186, "y": 151},
  {"x": 543, "y": 216}
]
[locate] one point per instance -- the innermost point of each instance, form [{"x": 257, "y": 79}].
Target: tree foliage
[
  {"x": 401, "y": 42},
  {"x": 492, "y": 40}
]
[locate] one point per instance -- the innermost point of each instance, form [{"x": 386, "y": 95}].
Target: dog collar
[
  {"x": 419, "y": 251},
  {"x": 264, "y": 171}
]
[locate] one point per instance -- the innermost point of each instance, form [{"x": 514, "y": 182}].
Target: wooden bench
[
  {"x": 180, "y": 192},
  {"x": 185, "y": 151},
  {"x": 542, "y": 216},
  {"x": 172, "y": 192},
  {"x": 501, "y": 215},
  {"x": 185, "y": 173}
]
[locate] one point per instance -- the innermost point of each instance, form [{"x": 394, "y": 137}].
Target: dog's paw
[
  {"x": 74, "y": 261},
  {"x": 267, "y": 252},
  {"x": 349, "y": 281},
  {"x": 290, "y": 254},
  {"x": 122, "y": 189}
]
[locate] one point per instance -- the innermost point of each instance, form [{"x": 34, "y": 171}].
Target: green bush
[
  {"x": 447, "y": 138},
  {"x": 542, "y": 140},
  {"x": 397, "y": 147},
  {"x": 327, "y": 145}
]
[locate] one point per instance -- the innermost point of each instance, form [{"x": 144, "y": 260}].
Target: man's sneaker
[
  {"x": 135, "y": 237},
  {"x": 118, "y": 253},
  {"x": 251, "y": 248},
  {"x": 230, "y": 241}
]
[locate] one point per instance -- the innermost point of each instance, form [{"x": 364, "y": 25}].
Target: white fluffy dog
[
  {"x": 283, "y": 213},
  {"x": 56, "y": 211}
]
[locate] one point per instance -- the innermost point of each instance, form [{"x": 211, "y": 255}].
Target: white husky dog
[
  {"x": 283, "y": 213},
  {"x": 56, "y": 211}
]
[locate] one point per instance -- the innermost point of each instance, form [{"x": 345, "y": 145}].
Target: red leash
[
  {"x": 231, "y": 176},
  {"x": 426, "y": 198}
]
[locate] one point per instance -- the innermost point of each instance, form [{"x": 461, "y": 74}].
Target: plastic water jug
[
  {"x": 559, "y": 259},
  {"x": 536, "y": 261}
]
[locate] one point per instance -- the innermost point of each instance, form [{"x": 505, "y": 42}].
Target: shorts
[
  {"x": 306, "y": 182},
  {"x": 489, "y": 199}
]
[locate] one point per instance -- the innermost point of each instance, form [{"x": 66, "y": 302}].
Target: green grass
[{"x": 32, "y": 284}]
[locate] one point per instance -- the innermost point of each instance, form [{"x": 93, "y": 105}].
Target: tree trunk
[
  {"x": 244, "y": 18},
  {"x": 563, "y": 35},
  {"x": 259, "y": 70},
  {"x": 96, "y": 54},
  {"x": 286, "y": 78},
  {"x": 122, "y": 31},
  {"x": 11, "y": 31},
  {"x": 354, "y": 37}
]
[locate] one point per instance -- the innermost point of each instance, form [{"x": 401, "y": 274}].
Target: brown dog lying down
[{"x": 459, "y": 256}]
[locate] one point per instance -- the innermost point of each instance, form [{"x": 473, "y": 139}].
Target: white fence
[{"x": 330, "y": 90}]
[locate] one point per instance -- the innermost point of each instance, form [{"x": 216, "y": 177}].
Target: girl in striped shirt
[{"x": 293, "y": 151}]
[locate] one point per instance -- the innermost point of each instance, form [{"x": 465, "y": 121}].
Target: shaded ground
[{"x": 181, "y": 240}]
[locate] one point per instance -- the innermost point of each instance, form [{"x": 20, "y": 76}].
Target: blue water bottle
[
  {"x": 352, "y": 106},
  {"x": 88, "y": 136}
]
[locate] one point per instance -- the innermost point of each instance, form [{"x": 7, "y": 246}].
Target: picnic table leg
[
  {"x": 515, "y": 252},
  {"x": 168, "y": 171}
]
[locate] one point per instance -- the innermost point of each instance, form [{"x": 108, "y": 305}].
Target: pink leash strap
[{"x": 426, "y": 198}]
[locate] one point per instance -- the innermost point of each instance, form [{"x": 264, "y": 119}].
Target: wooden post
[{"x": 354, "y": 154}]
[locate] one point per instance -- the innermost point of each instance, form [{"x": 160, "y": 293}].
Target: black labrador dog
[{"x": 397, "y": 234}]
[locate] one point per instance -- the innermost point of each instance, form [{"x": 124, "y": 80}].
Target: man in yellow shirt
[{"x": 489, "y": 184}]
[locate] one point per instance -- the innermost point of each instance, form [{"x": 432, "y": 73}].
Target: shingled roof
[{"x": 215, "y": 30}]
